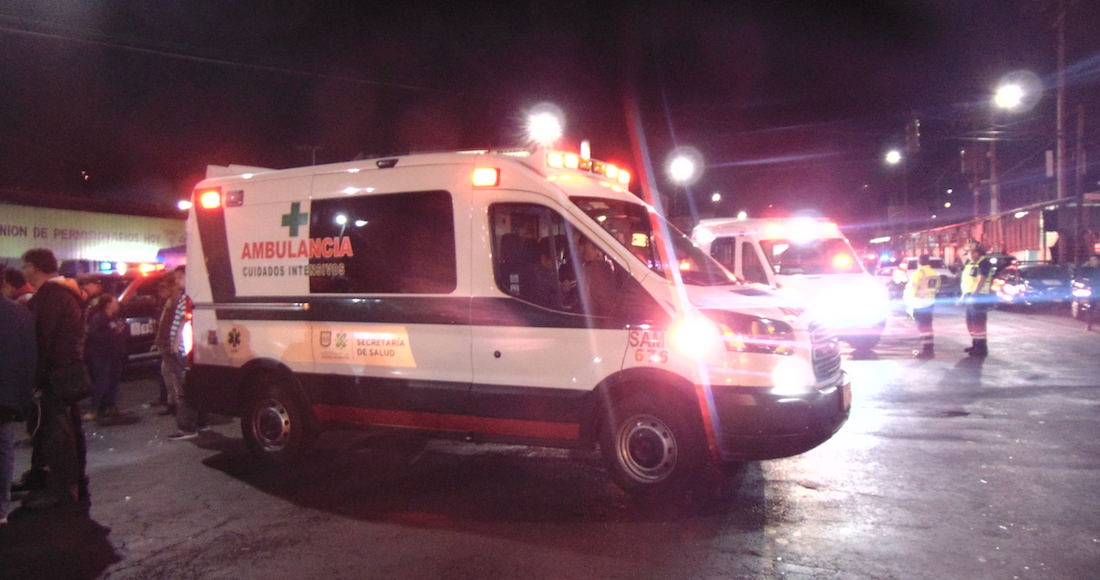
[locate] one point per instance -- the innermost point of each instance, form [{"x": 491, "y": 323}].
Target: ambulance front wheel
[
  {"x": 275, "y": 427},
  {"x": 651, "y": 447}
]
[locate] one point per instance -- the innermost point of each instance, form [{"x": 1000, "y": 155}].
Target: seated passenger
[
  {"x": 597, "y": 280},
  {"x": 544, "y": 288}
]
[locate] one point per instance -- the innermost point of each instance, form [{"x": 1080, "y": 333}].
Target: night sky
[{"x": 791, "y": 103}]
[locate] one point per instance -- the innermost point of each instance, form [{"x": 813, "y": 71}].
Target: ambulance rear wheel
[
  {"x": 651, "y": 447},
  {"x": 275, "y": 427}
]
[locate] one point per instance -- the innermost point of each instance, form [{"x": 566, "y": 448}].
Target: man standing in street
[
  {"x": 59, "y": 330},
  {"x": 975, "y": 281},
  {"x": 920, "y": 299},
  {"x": 18, "y": 357},
  {"x": 174, "y": 362},
  {"x": 171, "y": 372}
]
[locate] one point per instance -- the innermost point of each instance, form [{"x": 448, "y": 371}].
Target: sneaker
[{"x": 183, "y": 435}]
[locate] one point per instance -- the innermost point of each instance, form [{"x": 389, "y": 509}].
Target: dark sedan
[{"x": 1031, "y": 285}]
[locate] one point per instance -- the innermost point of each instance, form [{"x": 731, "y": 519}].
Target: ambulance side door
[{"x": 536, "y": 355}]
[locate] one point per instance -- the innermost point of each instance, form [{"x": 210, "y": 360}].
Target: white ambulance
[
  {"x": 808, "y": 260},
  {"x": 514, "y": 296}
]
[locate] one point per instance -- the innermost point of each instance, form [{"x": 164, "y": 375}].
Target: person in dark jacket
[
  {"x": 58, "y": 307},
  {"x": 18, "y": 357},
  {"x": 105, "y": 352}
]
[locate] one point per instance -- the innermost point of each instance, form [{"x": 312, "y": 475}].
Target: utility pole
[
  {"x": 1060, "y": 120},
  {"x": 1078, "y": 234}
]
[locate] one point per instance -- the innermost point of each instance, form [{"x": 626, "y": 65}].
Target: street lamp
[
  {"x": 684, "y": 166},
  {"x": 894, "y": 157},
  {"x": 1015, "y": 92},
  {"x": 544, "y": 124}
]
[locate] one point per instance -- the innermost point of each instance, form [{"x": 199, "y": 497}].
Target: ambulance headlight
[
  {"x": 695, "y": 336},
  {"x": 747, "y": 333}
]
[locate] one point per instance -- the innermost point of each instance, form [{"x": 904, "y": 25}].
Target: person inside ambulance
[
  {"x": 542, "y": 285},
  {"x": 596, "y": 279}
]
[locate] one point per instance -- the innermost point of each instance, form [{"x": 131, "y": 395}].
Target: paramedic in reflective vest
[
  {"x": 920, "y": 298},
  {"x": 975, "y": 282}
]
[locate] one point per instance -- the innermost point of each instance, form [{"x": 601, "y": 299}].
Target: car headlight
[{"x": 747, "y": 333}]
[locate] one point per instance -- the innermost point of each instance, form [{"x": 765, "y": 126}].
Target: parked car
[
  {"x": 892, "y": 278},
  {"x": 1086, "y": 289},
  {"x": 1030, "y": 285},
  {"x": 894, "y": 275},
  {"x": 949, "y": 281},
  {"x": 140, "y": 306}
]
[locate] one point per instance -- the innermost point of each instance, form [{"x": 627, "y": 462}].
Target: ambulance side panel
[{"x": 404, "y": 354}]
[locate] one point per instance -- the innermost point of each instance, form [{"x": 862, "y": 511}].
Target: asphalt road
[{"x": 950, "y": 468}]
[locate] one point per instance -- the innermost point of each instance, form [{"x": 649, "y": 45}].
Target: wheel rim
[
  {"x": 271, "y": 425},
  {"x": 647, "y": 448}
]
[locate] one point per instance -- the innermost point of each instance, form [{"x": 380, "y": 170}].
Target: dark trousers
[
  {"x": 923, "y": 316},
  {"x": 60, "y": 446},
  {"x": 976, "y": 316},
  {"x": 106, "y": 371}
]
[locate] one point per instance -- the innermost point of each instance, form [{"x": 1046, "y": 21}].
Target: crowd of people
[{"x": 62, "y": 350}]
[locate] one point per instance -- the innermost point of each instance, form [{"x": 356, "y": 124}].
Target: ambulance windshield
[
  {"x": 632, "y": 225},
  {"x": 814, "y": 257}
]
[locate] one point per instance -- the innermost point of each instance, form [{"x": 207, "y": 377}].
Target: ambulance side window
[
  {"x": 400, "y": 243},
  {"x": 540, "y": 258},
  {"x": 723, "y": 250},
  {"x": 751, "y": 267},
  {"x": 531, "y": 255}
]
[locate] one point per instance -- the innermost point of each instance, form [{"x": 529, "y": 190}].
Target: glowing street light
[
  {"x": 685, "y": 165},
  {"x": 544, "y": 124},
  {"x": 893, "y": 157},
  {"x": 1008, "y": 96}
]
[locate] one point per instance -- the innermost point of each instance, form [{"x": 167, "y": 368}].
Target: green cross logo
[{"x": 295, "y": 219}]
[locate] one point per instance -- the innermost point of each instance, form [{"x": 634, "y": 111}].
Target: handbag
[{"x": 70, "y": 384}]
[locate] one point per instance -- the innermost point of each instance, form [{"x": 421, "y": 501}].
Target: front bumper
[{"x": 756, "y": 424}]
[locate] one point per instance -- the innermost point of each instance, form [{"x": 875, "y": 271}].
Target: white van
[
  {"x": 514, "y": 296},
  {"x": 808, "y": 260}
]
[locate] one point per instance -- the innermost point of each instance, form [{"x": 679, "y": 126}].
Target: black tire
[
  {"x": 652, "y": 447},
  {"x": 275, "y": 426}
]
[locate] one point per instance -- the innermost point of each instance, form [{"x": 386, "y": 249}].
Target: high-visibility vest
[
  {"x": 920, "y": 291},
  {"x": 969, "y": 279}
]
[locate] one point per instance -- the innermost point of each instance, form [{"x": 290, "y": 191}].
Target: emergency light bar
[{"x": 563, "y": 160}]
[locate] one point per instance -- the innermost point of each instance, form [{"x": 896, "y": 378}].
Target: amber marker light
[
  {"x": 210, "y": 199},
  {"x": 486, "y": 177}
]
